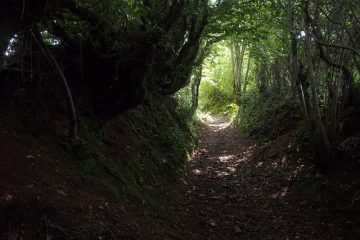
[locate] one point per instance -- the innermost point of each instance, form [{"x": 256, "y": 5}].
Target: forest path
[{"x": 235, "y": 191}]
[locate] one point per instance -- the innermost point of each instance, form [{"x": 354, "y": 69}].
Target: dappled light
[
  {"x": 230, "y": 182},
  {"x": 187, "y": 120},
  {"x": 219, "y": 126},
  {"x": 226, "y": 158}
]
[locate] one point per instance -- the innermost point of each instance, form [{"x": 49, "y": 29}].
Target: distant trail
[{"x": 235, "y": 192}]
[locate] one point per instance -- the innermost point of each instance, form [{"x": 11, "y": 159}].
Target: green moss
[{"x": 159, "y": 143}]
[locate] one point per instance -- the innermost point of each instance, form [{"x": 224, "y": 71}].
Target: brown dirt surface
[
  {"x": 44, "y": 196},
  {"x": 237, "y": 190},
  {"x": 234, "y": 189}
]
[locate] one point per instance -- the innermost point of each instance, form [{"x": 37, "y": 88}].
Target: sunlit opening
[{"x": 47, "y": 37}]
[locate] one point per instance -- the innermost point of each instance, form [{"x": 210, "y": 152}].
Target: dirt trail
[{"x": 235, "y": 191}]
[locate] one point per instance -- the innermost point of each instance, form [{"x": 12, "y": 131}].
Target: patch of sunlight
[
  {"x": 219, "y": 126},
  {"x": 210, "y": 80},
  {"x": 227, "y": 158},
  {"x": 204, "y": 117},
  {"x": 296, "y": 172},
  {"x": 280, "y": 162},
  {"x": 212, "y": 223},
  {"x": 222, "y": 174},
  {"x": 280, "y": 194},
  {"x": 197, "y": 171},
  {"x": 242, "y": 160},
  {"x": 10, "y": 50},
  {"x": 231, "y": 169}
]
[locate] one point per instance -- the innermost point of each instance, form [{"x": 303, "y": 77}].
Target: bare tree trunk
[
  {"x": 323, "y": 153},
  {"x": 241, "y": 61},
  {"x": 237, "y": 59},
  {"x": 195, "y": 88},
  {"x": 233, "y": 64},
  {"x": 276, "y": 77},
  {"x": 197, "y": 73},
  {"x": 261, "y": 79},
  {"x": 246, "y": 80},
  {"x": 294, "y": 61},
  {"x": 334, "y": 110},
  {"x": 237, "y": 68}
]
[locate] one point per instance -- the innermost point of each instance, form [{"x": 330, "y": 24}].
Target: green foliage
[
  {"x": 216, "y": 93},
  {"x": 185, "y": 110},
  {"x": 213, "y": 99},
  {"x": 184, "y": 103},
  {"x": 265, "y": 118},
  {"x": 138, "y": 152},
  {"x": 242, "y": 19}
]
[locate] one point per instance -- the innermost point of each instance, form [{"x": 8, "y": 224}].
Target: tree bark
[
  {"x": 246, "y": 80},
  {"x": 323, "y": 147}
]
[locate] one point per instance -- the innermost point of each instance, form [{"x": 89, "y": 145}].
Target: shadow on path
[{"x": 235, "y": 191}]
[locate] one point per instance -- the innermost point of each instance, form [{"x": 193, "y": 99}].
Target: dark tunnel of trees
[{"x": 109, "y": 56}]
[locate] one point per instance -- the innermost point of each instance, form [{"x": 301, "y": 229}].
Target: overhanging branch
[{"x": 332, "y": 45}]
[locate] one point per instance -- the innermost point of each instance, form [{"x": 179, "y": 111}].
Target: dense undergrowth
[
  {"x": 265, "y": 118},
  {"x": 277, "y": 126}
]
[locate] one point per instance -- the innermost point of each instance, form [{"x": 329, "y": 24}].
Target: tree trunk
[
  {"x": 321, "y": 140},
  {"x": 241, "y": 61},
  {"x": 246, "y": 80},
  {"x": 195, "y": 88},
  {"x": 294, "y": 61},
  {"x": 237, "y": 54},
  {"x": 233, "y": 64},
  {"x": 276, "y": 77}
]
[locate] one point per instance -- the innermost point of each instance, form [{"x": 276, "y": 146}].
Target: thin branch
[
  {"x": 332, "y": 45},
  {"x": 339, "y": 23},
  {"x": 329, "y": 18},
  {"x": 356, "y": 17},
  {"x": 23, "y": 10},
  {"x": 69, "y": 99},
  {"x": 320, "y": 45}
]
